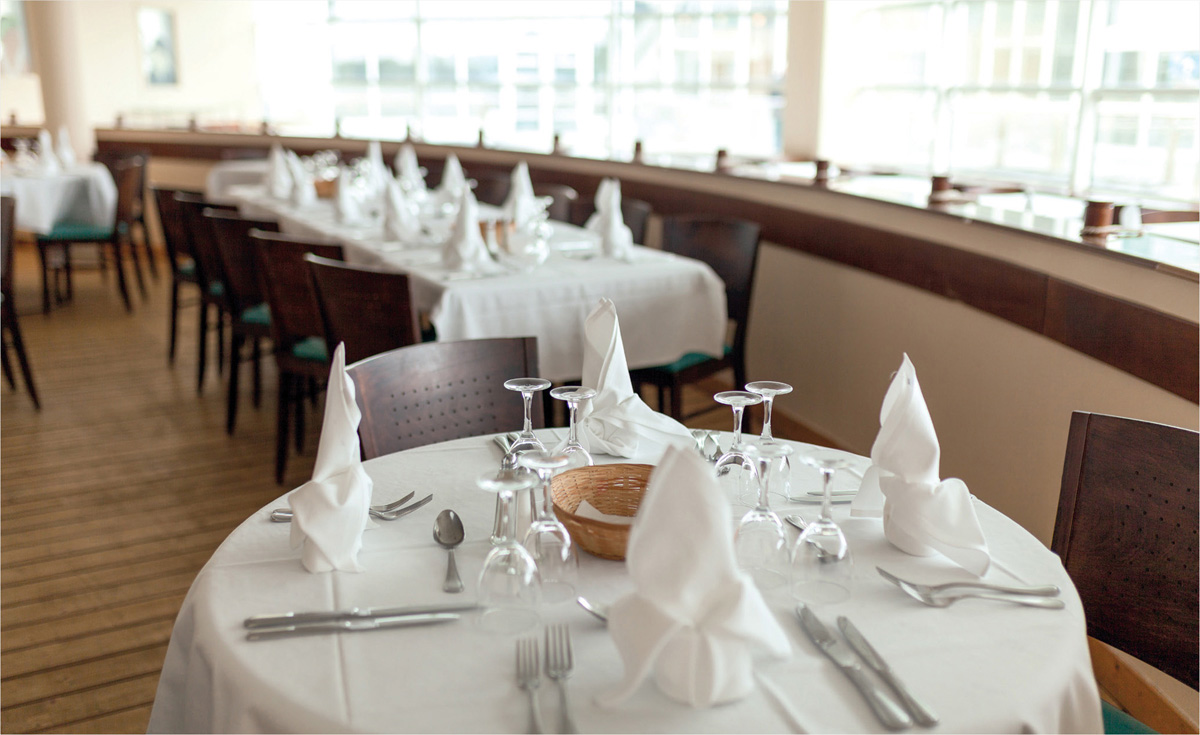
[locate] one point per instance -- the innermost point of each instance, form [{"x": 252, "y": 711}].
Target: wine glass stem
[
  {"x": 544, "y": 511},
  {"x": 764, "y": 471},
  {"x": 766, "y": 431},
  {"x": 508, "y": 523},
  {"x": 737, "y": 425},
  {"x": 827, "y": 495},
  {"x": 572, "y": 407},
  {"x": 527, "y": 397}
]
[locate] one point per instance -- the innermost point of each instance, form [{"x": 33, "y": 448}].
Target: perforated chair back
[
  {"x": 288, "y": 287},
  {"x": 437, "y": 391},
  {"x": 239, "y": 262},
  {"x": 369, "y": 310},
  {"x": 1127, "y": 534}
]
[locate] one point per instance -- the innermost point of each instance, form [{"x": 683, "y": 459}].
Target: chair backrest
[
  {"x": 492, "y": 188},
  {"x": 1126, "y": 532},
  {"x": 370, "y": 310},
  {"x": 8, "y": 226},
  {"x": 730, "y": 247},
  {"x": 130, "y": 176},
  {"x": 171, "y": 220},
  {"x": 239, "y": 263},
  {"x": 436, "y": 391},
  {"x": 287, "y": 284},
  {"x": 564, "y": 199},
  {"x": 200, "y": 239}
]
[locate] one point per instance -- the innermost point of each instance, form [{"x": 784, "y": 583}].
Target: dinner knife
[
  {"x": 922, "y": 714},
  {"x": 350, "y": 626},
  {"x": 885, "y": 707},
  {"x": 256, "y": 622}
]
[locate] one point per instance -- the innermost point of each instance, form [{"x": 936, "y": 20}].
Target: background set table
[
  {"x": 84, "y": 194},
  {"x": 983, "y": 666},
  {"x": 669, "y": 305}
]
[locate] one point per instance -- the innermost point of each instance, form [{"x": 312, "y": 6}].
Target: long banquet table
[
  {"x": 669, "y": 305},
  {"x": 982, "y": 666}
]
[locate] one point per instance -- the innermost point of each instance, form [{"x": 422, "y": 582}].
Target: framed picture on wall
[{"x": 156, "y": 28}]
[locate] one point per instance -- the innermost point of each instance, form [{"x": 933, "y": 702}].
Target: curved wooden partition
[{"x": 1010, "y": 330}]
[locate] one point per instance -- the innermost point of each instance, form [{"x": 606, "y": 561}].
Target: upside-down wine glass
[
  {"x": 547, "y": 539},
  {"x": 822, "y": 568},
  {"x": 527, "y": 441},
  {"x": 509, "y": 585},
  {"x": 768, "y": 389},
  {"x": 736, "y": 456},
  {"x": 760, "y": 540},
  {"x": 575, "y": 452}
]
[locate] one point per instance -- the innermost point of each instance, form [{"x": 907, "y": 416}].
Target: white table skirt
[
  {"x": 668, "y": 305},
  {"x": 85, "y": 194},
  {"x": 983, "y": 666}
]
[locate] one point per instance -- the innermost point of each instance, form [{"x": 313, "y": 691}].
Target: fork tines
[
  {"x": 528, "y": 662},
  {"x": 559, "y": 658}
]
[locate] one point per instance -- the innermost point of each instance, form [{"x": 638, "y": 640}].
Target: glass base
[
  {"x": 820, "y": 593},
  {"x": 554, "y": 592},
  {"x": 509, "y": 620}
]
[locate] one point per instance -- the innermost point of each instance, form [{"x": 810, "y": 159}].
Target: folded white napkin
[
  {"x": 922, "y": 514},
  {"x": 453, "y": 181},
  {"x": 377, "y": 172},
  {"x": 329, "y": 512},
  {"x": 400, "y": 218},
  {"x": 347, "y": 198},
  {"x": 47, "y": 161},
  {"x": 591, "y": 512},
  {"x": 617, "y": 421},
  {"x": 616, "y": 239},
  {"x": 465, "y": 250},
  {"x": 304, "y": 192},
  {"x": 520, "y": 206},
  {"x": 65, "y": 150},
  {"x": 408, "y": 170},
  {"x": 693, "y": 618},
  {"x": 279, "y": 176}
]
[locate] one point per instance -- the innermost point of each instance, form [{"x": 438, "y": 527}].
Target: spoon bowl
[
  {"x": 448, "y": 533},
  {"x": 597, "y": 611}
]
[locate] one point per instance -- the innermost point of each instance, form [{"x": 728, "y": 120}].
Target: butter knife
[
  {"x": 256, "y": 622},
  {"x": 350, "y": 626},
  {"x": 889, "y": 712},
  {"x": 922, "y": 714}
]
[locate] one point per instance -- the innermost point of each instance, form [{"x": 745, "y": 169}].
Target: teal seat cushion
[
  {"x": 311, "y": 348},
  {"x": 257, "y": 314},
  {"x": 73, "y": 231},
  {"x": 187, "y": 268},
  {"x": 216, "y": 288},
  {"x": 691, "y": 359},
  {"x": 1116, "y": 721}
]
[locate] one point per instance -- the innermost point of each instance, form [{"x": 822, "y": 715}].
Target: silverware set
[
  {"x": 944, "y": 595},
  {"x": 559, "y": 663},
  {"x": 284, "y": 625},
  {"x": 389, "y": 512},
  {"x": 706, "y": 444}
]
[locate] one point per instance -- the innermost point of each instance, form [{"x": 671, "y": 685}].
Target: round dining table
[{"x": 981, "y": 665}]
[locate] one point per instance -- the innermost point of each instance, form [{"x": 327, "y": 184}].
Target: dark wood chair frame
[
  {"x": 565, "y": 198},
  {"x": 179, "y": 256},
  {"x": 208, "y": 276},
  {"x": 8, "y": 310},
  {"x": 367, "y": 309}
]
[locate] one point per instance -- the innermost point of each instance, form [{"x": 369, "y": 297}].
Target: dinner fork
[
  {"x": 1048, "y": 590},
  {"x": 559, "y": 663},
  {"x": 945, "y": 600},
  {"x": 529, "y": 676}
]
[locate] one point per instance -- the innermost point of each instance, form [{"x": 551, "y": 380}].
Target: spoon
[
  {"x": 596, "y": 611},
  {"x": 796, "y": 521},
  {"x": 448, "y": 533}
]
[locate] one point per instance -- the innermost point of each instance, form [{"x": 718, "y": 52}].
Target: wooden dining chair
[
  {"x": 249, "y": 317},
  {"x": 635, "y": 212},
  {"x": 8, "y": 311},
  {"x": 208, "y": 267},
  {"x": 367, "y": 309},
  {"x": 729, "y": 247},
  {"x": 437, "y": 391},
  {"x": 300, "y": 350},
  {"x": 112, "y": 160},
  {"x": 564, "y": 199},
  {"x": 1126, "y": 532},
  {"x": 54, "y": 247},
  {"x": 491, "y": 188},
  {"x": 179, "y": 255}
]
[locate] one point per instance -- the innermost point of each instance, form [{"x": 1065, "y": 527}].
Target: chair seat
[
  {"x": 76, "y": 232},
  {"x": 258, "y": 314},
  {"x": 311, "y": 348},
  {"x": 216, "y": 288},
  {"x": 689, "y": 360},
  {"x": 1116, "y": 721},
  {"x": 186, "y": 269}
]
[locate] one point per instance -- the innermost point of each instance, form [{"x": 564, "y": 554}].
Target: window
[
  {"x": 683, "y": 77},
  {"x": 1069, "y": 95}
]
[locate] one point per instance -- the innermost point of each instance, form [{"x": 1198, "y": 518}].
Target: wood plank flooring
[{"x": 114, "y": 495}]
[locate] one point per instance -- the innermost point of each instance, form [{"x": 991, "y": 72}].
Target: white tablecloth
[
  {"x": 982, "y": 666},
  {"x": 668, "y": 305},
  {"x": 85, "y": 194},
  {"x": 227, "y": 174}
]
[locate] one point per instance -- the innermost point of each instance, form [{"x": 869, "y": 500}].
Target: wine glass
[
  {"x": 527, "y": 440},
  {"x": 768, "y": 389},
  {"x": 573, "y": 395},
  {"x": 509, "y": 585},
  {"x": 822, "y": 567},
  {"x": 547, "y": 539},
  {"x": 736, "y": 456},
  {"x": 760, "y": 540}
]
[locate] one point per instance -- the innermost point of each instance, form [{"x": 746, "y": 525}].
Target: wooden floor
[{"x": 114, "y": 495}]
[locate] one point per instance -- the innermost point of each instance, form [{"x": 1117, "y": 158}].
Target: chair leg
[
  {"x": 136, "y": 260},
  {"x": 41, "y": 246},
  {"x": 256, "y": 362},
  {"x": 298, "y": 392},
  {"x": 4, "y": 364},
  {"x": 202, "y": 347},
  {"x": 174, "y": 322},
  {"x": 676, "y": 400},
  {"x": 662, "y": 399},
  {"x": 150, "y": 259},
  {"x": 220, "y": 341},
  {"x": 281, "y": 425},
  {"x": 120, "y": 269},
  {"x": 14, "y": 331},
  {"x": 68, "y": 273},
  {"x": 235, "y": 351}
]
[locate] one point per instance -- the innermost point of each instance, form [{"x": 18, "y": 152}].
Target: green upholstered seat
[
  {"x": 257, "y": 314},
  {"x": 216, "y": 288},
  {"x": 1116, "y": 721},
  {"x": 187, "y": 268},
  {"x": 689, "y": 360},
  {"x": 311, "y": 348},
  {"x": 73, "y": 231}
]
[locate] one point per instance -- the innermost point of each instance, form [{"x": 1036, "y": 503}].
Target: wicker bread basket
[{"x": 613, "y": 489}]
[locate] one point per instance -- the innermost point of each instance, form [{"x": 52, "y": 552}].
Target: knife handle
[
  {"x": 922, "y": 714},
  {"x": 887, "y": 709}
]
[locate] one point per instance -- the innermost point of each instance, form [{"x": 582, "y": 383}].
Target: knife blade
[
  {"x": 255, "y": 622},
  {"x": 350, "y": 626},
  {"x": 921, "y": 713},
  {"x": 885, "y": 707}
]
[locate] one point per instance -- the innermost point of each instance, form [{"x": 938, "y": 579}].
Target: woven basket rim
[{"x": 605, "y": 524}]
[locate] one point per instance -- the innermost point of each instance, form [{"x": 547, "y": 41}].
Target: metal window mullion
[{"x": 1089, "y": 64}]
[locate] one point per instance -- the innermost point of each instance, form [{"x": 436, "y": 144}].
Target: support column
[
  {"x": 54, "y": 42},
  {"x": 802, "y": 86}
]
